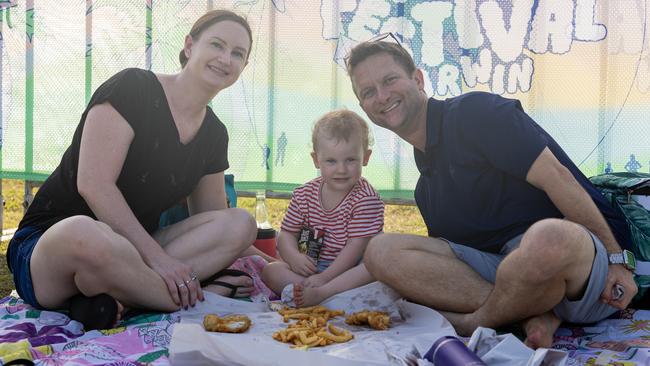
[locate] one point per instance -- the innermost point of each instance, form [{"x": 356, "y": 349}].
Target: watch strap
[{"x": 615, "y": 258}]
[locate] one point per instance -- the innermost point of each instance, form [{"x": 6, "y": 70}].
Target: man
[{"x": 526, "y": 236}]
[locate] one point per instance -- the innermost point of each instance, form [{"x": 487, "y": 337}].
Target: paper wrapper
[{"x": 414, "y": 328}]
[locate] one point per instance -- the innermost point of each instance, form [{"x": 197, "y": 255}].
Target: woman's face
[{"x": 220, "y": 53}]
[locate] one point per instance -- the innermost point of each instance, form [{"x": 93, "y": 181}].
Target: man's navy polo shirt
[{"x": 472, "y": 188}]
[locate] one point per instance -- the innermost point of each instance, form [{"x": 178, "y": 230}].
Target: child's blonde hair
[{"x": 340, "y": 125}]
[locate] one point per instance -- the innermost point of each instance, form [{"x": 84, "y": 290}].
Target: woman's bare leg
[
  {"x": 82, "y": 255},
  {"x": 211, "y": 241}
]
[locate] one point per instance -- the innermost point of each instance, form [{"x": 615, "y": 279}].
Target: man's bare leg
[
  {"x": 427, "y": 271},
  {"x": 553, "y": 261}
]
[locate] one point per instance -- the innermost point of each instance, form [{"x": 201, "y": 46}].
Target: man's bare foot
[
  {"x": 243, "y": 286},
  {"x": 462, "y": 322},
  {"x": 540, "y": 330},
  {"x": 308, "y": 296}
]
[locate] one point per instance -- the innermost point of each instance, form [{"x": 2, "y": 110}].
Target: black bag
[{"x": 625, "y": 190}]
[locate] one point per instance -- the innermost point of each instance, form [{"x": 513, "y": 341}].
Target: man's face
[{"x": 390, "y": 97}]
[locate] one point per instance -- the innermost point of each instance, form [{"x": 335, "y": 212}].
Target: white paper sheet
[
  {"x": 508, "y": 350},
  {"x": 414, "y": 327}
]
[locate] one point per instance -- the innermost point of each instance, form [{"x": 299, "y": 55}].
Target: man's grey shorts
[{"x": 586, "y": 310}]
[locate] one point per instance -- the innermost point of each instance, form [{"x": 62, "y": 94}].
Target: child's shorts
[{"x": 322, "y": 265}]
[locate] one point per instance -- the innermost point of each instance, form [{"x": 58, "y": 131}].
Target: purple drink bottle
[{"x": 451, "y": 351}]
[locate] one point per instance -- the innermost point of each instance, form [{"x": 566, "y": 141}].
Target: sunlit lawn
[{"x": 398, "y": 219}]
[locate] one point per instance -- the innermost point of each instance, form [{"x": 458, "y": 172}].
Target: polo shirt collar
[{"x": 434, "y": 123}]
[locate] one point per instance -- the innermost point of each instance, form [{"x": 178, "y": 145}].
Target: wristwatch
[{"x": 626, "y": 258}]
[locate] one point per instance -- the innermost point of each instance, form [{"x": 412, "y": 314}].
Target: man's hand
[
  {"x": 302, "y": 264},
  {"x": 618, "y": 274}
]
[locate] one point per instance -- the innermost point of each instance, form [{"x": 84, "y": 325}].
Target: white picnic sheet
[{"x": 414, "y": 329}]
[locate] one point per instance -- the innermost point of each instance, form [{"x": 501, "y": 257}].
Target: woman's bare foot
[
  {"x": 121, "y": 310},
  {"x": 540, "y": 330},
  {"x": 243, "y": 286},
  {"x": 308, "y": 296}
]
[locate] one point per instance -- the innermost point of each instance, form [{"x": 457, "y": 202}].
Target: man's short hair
[{"x": 364, "y": 50}]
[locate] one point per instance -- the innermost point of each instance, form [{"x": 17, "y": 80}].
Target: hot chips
[
  {"x": 310, "y": 312},
  {"x": 375, "y": 319},
  {"x": 312, "y": 333},
  {"x": 311, "y": 328}
]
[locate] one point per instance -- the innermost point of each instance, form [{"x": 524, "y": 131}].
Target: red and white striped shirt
[{"x": 359, "y": 214}]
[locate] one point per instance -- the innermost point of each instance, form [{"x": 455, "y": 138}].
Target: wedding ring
[
  {"x": 181, "y": 285},
  {"x": 188, "y": 282}
]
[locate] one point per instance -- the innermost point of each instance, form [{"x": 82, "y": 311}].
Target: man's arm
[{"x": 549, "y": 175}]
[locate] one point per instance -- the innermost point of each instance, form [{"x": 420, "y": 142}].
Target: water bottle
[
  {"x": 261, "y": 212},
  {"x": 265, "y": 240},
  {"x": 451, "y": 351}
]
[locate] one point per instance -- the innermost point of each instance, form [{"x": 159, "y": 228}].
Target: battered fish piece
[
  {"x": 226, "y": 324},
  {"x": 378, "y": 320}
]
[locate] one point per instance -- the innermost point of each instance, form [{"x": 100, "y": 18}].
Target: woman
[{"x": 145, "y": 141}]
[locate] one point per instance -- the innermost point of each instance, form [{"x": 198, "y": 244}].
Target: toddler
[{"x": 330, "y": 219}]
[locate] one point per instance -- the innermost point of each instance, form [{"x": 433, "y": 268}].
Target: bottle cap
[{"x": 265, "y": 233}]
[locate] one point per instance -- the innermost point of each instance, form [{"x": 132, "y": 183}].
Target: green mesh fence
[{"x": 581, "y": 68}]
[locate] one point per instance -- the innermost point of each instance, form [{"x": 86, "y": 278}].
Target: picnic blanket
[{"x": 51, "y": 338}]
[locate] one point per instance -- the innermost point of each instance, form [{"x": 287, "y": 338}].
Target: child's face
[{"x": 340, "y": 161}]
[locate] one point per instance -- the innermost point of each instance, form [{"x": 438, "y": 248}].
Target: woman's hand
[
  {"x": 302, "y": 264},
  {"x": 181, "y": 282}
]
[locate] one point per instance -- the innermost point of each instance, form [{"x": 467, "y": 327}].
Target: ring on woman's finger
[
  {"x": 181, "y": 285},
  {"x": 188, "y": 282},
  {"x": 194, "y": 276}
]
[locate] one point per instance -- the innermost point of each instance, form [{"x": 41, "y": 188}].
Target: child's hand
[
  {"x": 316, "y": 280},
  {"x": 302, "y": 265}
]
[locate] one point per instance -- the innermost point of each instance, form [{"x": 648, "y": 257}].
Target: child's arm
[
  {"x": 288, "y": 247},
  {"x": 367, "y": 221},
  {"x": 349, "y": 257}
]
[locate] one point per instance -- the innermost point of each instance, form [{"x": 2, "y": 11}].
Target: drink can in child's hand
[
  {"x": 451, "y": 351},
  {"x": 310, "y": 242}
]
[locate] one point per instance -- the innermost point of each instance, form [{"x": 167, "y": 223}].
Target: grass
[{"x": 397, "y": 219}]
